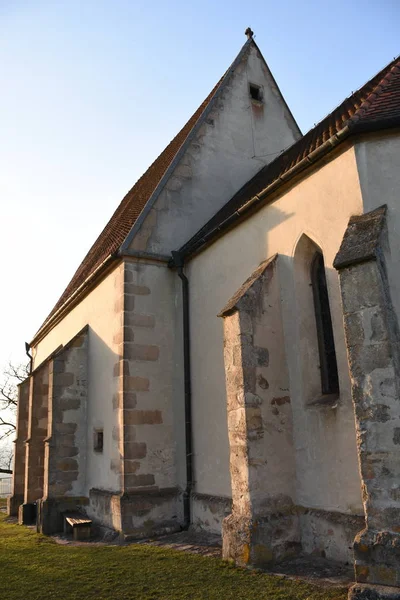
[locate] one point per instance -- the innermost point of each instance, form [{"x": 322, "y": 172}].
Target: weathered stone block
[
  {"x": 135, "y": 450},
  {"x": 130, "y": 400},
  {"x": 139, "y": 290},
  {"x": 67, "y": 464},
  {"x": 65, "y": 379},
  {"x": 142, "y": 480},
  {"x": 360, "y": 286},
  {"x": 136, "y": 384},
  {"x": 141, "y": 352},
  {"x": 65, "y": 428},
  {"x": 377, "y": 557},
  {"x": 128, "y": 334},
  {"x": 135, "y": 320},
  {"x": 361, "y": 591},
  {"x": 69, "y": 404},
  {"x": 143, "y": 417},
  {"x": 129, "y": 303},
  {"x": 129, "y": 433},
  {"x": 260, "y": 542},
  {"x": 131, "y": 466}
]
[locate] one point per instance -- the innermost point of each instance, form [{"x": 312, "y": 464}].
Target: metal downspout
[{"x": 177, "y": 262}]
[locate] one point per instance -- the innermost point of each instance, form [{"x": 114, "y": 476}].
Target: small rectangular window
[
  {"x": 255, "y": 92},
  {"x": 98, "y": 441}
]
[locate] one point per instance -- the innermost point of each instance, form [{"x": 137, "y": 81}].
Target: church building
[{"x": 227, "y": 355}]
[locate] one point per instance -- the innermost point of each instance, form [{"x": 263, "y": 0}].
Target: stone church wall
[{"x": 327, "y": 477}]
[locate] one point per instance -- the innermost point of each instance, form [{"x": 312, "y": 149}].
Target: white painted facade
[{"x": 326, "y": 458}]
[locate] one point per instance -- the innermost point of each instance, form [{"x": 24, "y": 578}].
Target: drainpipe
[
  {"x": 27, "y": 348},
  {"x": 177, "y": 262}
]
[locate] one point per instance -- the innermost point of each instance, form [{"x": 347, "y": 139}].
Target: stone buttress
[
  {"x": 372, "y": 338},
  {"x": 263, "y": 526},
  {"x": 65, "y": 445}
]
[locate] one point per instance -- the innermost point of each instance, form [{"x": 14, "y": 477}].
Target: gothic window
[{"x": 326, "y": 344}]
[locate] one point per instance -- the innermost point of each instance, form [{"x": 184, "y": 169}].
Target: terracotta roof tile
[{"x": 376, "y": 105}]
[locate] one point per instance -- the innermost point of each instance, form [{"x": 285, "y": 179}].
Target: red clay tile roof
[{"x": 374, "y": 106}]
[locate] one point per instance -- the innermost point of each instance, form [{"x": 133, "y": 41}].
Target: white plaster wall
[
  {"x": 97, "y": 311},
  {"x": 378, "y": 162},
  {"x": 236, "y": 140},
  {"x": 324, "y": 438}
]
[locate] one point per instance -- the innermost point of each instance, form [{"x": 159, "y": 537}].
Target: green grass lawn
[{"x": 34, "y": 567}]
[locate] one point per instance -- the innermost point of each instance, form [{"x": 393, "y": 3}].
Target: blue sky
[{"x": 92, "y": 91}]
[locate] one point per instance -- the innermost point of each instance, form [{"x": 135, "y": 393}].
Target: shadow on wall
[{"x": 103, "y": 460}]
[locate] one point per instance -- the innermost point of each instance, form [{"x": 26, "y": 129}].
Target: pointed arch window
[{"x": 326, "y": 344}]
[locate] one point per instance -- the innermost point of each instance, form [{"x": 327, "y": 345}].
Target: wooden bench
[{"x": 78, "y": 524}]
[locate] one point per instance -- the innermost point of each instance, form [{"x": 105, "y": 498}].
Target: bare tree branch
[
  {"x": 6, "y": 458},
  {"x": 12, "y": 376}
]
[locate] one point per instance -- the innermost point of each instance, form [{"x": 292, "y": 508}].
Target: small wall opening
[
  {"x": 255, "y": 92},
  {"x": 98, "y": 440}
]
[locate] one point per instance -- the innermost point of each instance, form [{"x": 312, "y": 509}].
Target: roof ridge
[{"x": 382, "y": 84}]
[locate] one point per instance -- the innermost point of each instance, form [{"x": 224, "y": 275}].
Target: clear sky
[{"x": 92, "y": 91}]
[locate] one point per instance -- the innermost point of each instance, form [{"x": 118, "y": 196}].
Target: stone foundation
[
  {"x": 377, "y": 557},
  {"x": 329, "y": 534},
  {"x": 260, "y": 542},
  {"x": 137, "y": 515},
  {"x": 208, "y": 512},
  {"x": 373, "y": 592}
]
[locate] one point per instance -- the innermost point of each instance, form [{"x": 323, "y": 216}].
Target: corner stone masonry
[{"x": 372, "y": 338}]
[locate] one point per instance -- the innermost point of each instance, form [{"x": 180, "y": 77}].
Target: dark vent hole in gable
[{"x": 255, "y": 92}]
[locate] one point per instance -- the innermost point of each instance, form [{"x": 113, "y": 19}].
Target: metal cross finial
[{"x": 249, "y": 33}]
